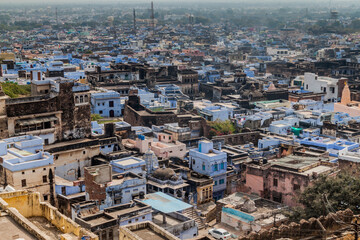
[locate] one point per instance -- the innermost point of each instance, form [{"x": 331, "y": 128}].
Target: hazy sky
[
  {"x": 175, "y": 1},
  {"x": 273, "y": 3}
]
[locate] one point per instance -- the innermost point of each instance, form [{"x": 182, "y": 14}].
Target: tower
[
  {"x": 134, "y": 20},
  {"x": 152, "y": 18},
  {"x": 151, "y": 161}
]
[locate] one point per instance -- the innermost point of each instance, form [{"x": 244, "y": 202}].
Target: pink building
[{"x": 282, "y": 179}]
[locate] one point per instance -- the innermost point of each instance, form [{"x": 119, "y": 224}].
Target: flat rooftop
[
  {"x": 128, "y": 161},
  {"x": 295, "y": 162},
  {"x": 120, "y": 212},
  {"x": 170, "y": 221},
  {"x": 148, "y": 233},
  {"x": 10, "y": 229}
]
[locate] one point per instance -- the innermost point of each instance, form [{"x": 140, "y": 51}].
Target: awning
[{"x": 32, "y": 121}]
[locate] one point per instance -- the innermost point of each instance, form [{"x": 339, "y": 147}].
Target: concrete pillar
[{"x": 164, "y": 218}]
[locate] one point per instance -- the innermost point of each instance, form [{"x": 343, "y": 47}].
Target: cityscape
[{"x": 176, "y": 120}]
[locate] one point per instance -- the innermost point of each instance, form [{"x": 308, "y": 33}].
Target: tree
[
  {"x": 329, "y": 194},
  {"x": 221, "y": 128},
  {"x": 96, "y": 117}
]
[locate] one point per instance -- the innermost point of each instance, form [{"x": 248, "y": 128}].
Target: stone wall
[
  {"x": 313, "y": 227},
  {"x": 28, "y": 204},
  {"x": 240, "y": 138}
]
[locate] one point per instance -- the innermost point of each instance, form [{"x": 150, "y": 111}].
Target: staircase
[{"x": 191, "y": 213}]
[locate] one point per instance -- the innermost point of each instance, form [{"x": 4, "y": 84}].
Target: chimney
[{"x": 109, "y": 130}]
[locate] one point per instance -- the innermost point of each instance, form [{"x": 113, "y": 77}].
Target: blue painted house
[
  {"x": 210, "y": 162},
  {"x": 106, "y": 104}
]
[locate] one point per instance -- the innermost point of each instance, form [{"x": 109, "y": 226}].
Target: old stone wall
[
  {"x": 240, "y": 138},
  {"x": 31, "y": 107},
  {"x": 313, "y": 227}
]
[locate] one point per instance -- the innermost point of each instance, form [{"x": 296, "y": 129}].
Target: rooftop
[{"x": 165, "y": 203}]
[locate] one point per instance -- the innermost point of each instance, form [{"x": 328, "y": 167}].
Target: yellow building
[{"x": 43, "y": 221}]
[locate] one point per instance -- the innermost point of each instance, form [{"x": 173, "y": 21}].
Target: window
[
  {"x": 296, "y": 187},
  {"x": 44, "y": 179},
  {"x": 222, "y": 166},
  {"x": 143, "y": 217},
  {"x": 111, "y": 103},
  {"x": 129, "y": 221},
  {"x": 45, "y": 197},
  {"x": 100, "y": 112},
  {"x": 203, "y": 167},
  {"x": 44, "y": 169},
  {"x": 216, "y": 167},
  {"x": 221, "y": 181},
  {"x": 33, "y": 170},
  {"x": 23, "y": 172},
  {"x": 275, "y": 182},
  {"x": 23, "y": 183},
  {"x": 215, "y": 183}
]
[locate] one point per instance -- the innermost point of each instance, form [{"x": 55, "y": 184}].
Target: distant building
[{"x": 106, "y": 104}]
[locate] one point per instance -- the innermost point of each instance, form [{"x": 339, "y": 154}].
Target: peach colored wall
[
  {"x": 353, "y": 112},
  {"x": 255, "y": 183},
  {"x": 163, "y": 150}
]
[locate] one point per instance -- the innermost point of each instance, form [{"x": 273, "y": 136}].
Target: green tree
[
  {"x": 96, "y": 117},
  {"x": 221, "y": 128},
  {"x": 329, "y": 194}
]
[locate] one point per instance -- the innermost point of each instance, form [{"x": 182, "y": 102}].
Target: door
[{"x": 111, "y": 113}]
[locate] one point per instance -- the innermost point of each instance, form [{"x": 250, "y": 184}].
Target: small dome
[{"x": 164, "y": 174}]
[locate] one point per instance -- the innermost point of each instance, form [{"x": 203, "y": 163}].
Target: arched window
[
  {"x": 77, "y": 99},
  {"x": 81, "y": 99}
]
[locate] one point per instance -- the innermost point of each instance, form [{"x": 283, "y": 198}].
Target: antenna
[
  {"x": 134, "y": 19},
  {"x": 152, "y": 17}
]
